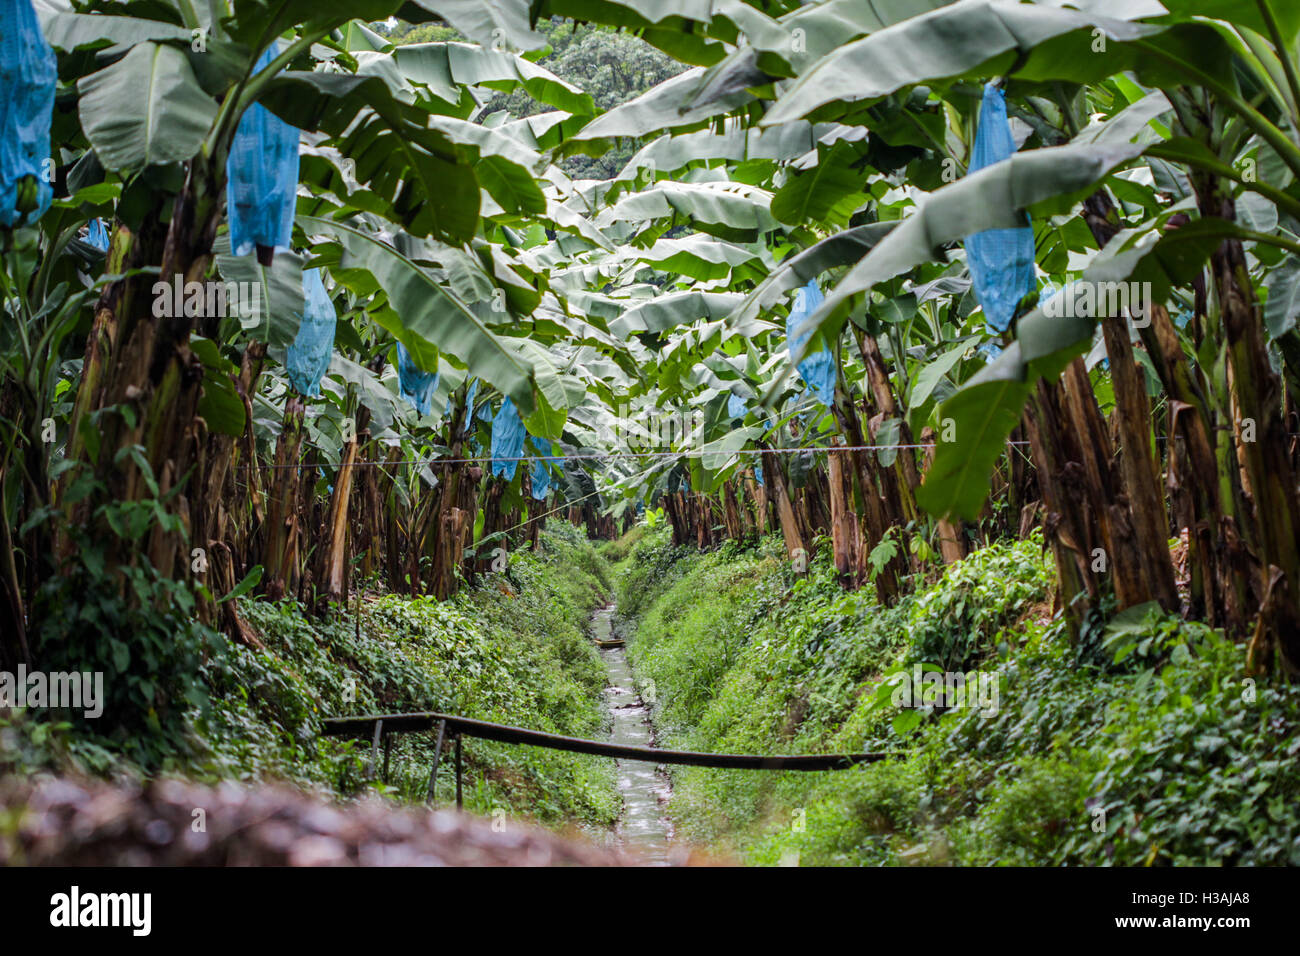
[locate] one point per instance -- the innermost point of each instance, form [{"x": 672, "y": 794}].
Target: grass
[
  {"x": 1145, "y": 744},
  {"x": 512, "y": 649}
]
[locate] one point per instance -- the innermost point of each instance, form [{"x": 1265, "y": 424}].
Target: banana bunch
[{"x": 28, "y": 195}]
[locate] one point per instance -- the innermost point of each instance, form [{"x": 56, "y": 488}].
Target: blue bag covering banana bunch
[
  {"x": 817, "y": 368},
  {"x": 1001, "y": 261},
  {"x": 28, "y": 74},
  {"x": 417, "y": 385},
  {"x": 309, "y": 357},
  {"x": 262, "y": 180},
  {"x": 507, "y": 441}
]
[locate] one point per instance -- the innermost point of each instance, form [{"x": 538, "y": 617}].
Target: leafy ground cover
[
  {"x": 1151, "y": 748},
  {"x": 512, "y": 649}
]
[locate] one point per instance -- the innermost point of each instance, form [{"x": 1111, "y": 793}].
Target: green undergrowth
[
  {"x": 1150, "y": 747},
  {"x": 513, "y": 649},
  {"x": 616, "y": 551}
]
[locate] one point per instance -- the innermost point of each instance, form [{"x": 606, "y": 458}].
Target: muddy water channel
[{"x": 642, "y": 827}]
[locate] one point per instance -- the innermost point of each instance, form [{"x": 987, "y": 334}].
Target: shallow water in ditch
[{"x": 642, "y": 826}]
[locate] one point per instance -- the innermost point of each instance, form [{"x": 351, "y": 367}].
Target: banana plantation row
[{"x": 297, "y": 301}]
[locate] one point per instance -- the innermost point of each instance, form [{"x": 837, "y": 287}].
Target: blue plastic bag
[
  {"x": 309, "y": 355},
  {"x": 28, "y": 74},
  {"x": 469, "y": 401},
  {"x": 541, "y": 474},
  {"x": 736, "y": 407},
  {"x": 262, "y": 179},
  {"x": 97, "y": 235},
  {"x": 416, "y": 385},
  {"x": 817, "y": 368},
  {"x": 1001, "y": 261},
  {"x": 507, "y": 441},
  {"x": 484, "y": 414}
]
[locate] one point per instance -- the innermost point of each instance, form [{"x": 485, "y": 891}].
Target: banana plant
[{"x": 828, "y": 143}]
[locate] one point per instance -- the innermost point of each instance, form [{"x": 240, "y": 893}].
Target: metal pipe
[
  {"x": 412, "y": 723},
  {"x": 374, "y": 749},
  {"x": 437, "y": 752},
  {"x": 460, "y": 803}
]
